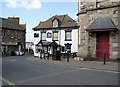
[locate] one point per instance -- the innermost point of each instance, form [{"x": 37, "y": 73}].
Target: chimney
[{"x": 15, "y": 19}]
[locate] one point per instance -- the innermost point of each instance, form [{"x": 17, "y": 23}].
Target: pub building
[
  {"x": 13, "y": 36},
  {"x": 58, "y": 33}
]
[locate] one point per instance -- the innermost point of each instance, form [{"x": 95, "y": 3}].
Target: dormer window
[{"x": 55, "y": 23}]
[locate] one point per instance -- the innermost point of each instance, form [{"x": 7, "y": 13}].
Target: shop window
[
  {"x": 43, "y": 36},
  {"x": 55, "y": 35},
  {"x": 68, "y": 36},
  {"x": 36, "y": 35}
]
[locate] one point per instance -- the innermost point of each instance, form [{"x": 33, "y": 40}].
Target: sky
[{"x": 32, "y": 12}]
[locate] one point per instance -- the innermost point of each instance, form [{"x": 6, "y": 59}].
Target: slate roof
[
  {"x": 64, "y": 21},
  {"x": 102, "y": 23},
  {"x": 6, "y": 23}
]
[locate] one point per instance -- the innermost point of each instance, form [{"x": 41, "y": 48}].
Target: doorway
[{"x": 102, "y": 45}]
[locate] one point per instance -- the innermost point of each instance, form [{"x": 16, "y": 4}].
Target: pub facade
[{"x": 58, "y": 33}]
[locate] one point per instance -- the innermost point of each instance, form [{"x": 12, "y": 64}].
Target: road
[{"x": 20, "y": 71}]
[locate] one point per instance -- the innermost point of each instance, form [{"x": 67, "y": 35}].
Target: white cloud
[
  {"x": 12, "y": 3},
  {"x": 34, "y": 4}
]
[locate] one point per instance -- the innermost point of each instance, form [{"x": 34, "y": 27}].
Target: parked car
[{"x": 19, "y": 53}]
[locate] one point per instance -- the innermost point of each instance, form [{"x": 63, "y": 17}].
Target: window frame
[
  {"x": 19, "y": 34},
  {"x": 42, "y": 37},
  {"x": 50, "y": 34},
  {"x": 37, "y": 35},
  {"x": 57, "y": 36},
  {"x": 66, "y": 39},
  {"x": 12, "y": 34},
  {"x": 55, "y": 21},
  {"x": 68, "y": 47}
]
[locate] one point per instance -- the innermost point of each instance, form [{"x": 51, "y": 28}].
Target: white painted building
[{"x": 60, "y": 32}]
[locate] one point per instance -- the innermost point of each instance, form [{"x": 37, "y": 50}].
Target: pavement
[{"x": 92, "y": 65}]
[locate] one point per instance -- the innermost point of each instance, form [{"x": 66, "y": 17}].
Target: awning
[
  {"x": 45, "y": 43},
  {"x": 102, "y": 24}
]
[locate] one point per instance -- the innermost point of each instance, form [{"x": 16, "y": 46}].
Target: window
[
  {"x": 12, "y": 34},
  {"x": 63, "y": 49},
  {"x": 68, "y": 47},
  {"x": 68, "y": 35},
  {"x": 19, "y": 35},
  {"x": 3, "y": 34},
  {"x": 36, "y": 35},
  {"x": 49, "y": 35},
  {"x": 55, "y": 23},
  {"x": 43, "y": 36},
  {"x": 55, "y": 35}
]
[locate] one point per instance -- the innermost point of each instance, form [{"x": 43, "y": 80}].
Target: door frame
[{"x": 97, "y": 50}]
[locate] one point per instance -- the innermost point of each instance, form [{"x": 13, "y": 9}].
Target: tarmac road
[{"x": 20, "y": 71}]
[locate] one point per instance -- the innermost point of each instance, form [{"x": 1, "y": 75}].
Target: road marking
[
  {"x": 46, "y": 76},
  {"x": 100, "y": 70},
  {"x": 76, "y": 67},
  {"x": 9, "y": 83}
]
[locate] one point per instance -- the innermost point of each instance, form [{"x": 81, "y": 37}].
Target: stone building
[
  {"x": 13, "y": 35},
  {"x": 99, "y": 30}
]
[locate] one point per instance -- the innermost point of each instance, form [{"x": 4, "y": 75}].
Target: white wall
[
  {"x": 61, "y": 40},
  {"x": 36, "y": 40},
  {"x": 74, "y": 47}
]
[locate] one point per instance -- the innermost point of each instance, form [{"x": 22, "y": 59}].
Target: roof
[
  {"x": 102, "y": 23},
  {"x": 64, "y": 21},
  {"x": 6, "y": 23}
]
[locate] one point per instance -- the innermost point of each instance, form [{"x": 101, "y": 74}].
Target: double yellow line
[
  {"x": 101, "y": 70},
  {"x": 9, "y": 83}
]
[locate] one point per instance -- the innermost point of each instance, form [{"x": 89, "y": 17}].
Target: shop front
[{"x": 9, "y": 48}]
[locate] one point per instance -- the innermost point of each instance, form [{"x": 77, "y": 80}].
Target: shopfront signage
[{"x": 9, "y": 43}]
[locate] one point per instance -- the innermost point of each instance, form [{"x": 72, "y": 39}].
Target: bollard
[
  {"x": 68, "y": 57},
  {"x": 44, "y": 55},
  {"x": 40, "y": 56},
  {"x": 48, "y": 56},
  {"x": 104, "y": 59}
]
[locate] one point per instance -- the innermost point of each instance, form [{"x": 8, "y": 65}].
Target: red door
[{"x": 102, "y": 45}]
